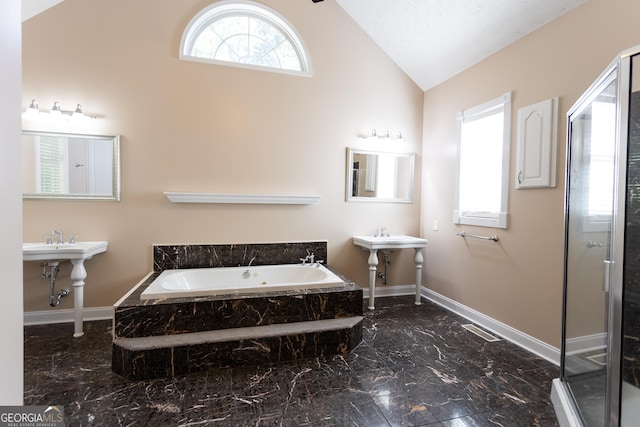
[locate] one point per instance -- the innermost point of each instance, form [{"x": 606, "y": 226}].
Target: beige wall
[
  {"x": 519, "y": 280},
  {"x": 195, "y": 127}
]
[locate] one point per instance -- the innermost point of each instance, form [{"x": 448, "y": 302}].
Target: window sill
[{"x": 499, "y": 221}]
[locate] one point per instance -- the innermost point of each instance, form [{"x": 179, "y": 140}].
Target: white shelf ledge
[{"x": 268, "y": 199}]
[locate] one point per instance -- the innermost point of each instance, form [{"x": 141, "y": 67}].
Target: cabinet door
[{"x": 537, "y": 145}]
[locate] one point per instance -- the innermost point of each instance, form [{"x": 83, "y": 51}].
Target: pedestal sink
[
  {"x": 373, "y": 244},
  {"x": 76, "y": 253}
]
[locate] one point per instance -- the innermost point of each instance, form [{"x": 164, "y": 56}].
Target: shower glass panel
[
  {"x": 590, "y": 196},
  {"x": 630, "y": 390}
]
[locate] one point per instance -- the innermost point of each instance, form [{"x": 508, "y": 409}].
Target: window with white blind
[
  {"x": 483, "y": 164},
  {"x": 52, "y": 176},
  {"x": 244, "y": 34}
]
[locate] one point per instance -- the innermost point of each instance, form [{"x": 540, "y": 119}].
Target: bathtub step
[
  {"x": 236, "y": 334},
  {"x": 159, "y": 356}
]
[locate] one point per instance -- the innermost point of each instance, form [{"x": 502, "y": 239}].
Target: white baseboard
[
  {"x": 391, "y": 291},
  {"x": 529, "y": 343},
  {"x": 66, "y": 316},
  {"x": 586, "y": 343}
]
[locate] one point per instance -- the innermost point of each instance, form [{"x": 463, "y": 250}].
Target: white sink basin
[
  {"x": 76, "y": 253},
  {"x": 61, "y": 252},
  {"x": 390, "y": 242}
]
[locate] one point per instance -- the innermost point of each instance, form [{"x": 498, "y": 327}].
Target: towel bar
[{"x": 475, "y": 236}]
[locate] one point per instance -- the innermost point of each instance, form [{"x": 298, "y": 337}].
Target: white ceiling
[
  {"x": 433, "y": 40},
  {"x": 33, "y": 7}
]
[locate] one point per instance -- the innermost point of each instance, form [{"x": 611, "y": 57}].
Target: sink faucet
[{"x": 59, "y": 233}]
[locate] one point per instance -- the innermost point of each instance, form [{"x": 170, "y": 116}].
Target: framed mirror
[
  {"x": 379, "y": 176},
  {"x": 70, "y": 166}
]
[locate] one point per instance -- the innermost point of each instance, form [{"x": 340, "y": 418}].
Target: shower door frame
[{"x": 621, "y": 67}]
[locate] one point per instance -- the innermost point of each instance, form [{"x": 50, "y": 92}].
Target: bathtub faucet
[
  {"x": 311, "y": 259},
  {"x": 246, "y": 273},
  {"x": 308, "y": 259}
]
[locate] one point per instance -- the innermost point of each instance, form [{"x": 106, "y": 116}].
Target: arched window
[{"x": 244, "y": 34}]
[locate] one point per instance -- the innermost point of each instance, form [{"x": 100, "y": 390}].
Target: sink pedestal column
[
  {"x": 78, "y": 274},
  {"x": 373, "y": 268},
  {"x": 418, "y": 259},
  {"x": 373, "y": 244}
]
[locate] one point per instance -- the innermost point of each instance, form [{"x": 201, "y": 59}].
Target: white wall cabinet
[{"x": 537, "y": 147}]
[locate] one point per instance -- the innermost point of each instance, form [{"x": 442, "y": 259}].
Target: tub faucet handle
[{"x": 308, "y": 259}]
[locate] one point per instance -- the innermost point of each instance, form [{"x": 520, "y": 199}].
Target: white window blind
[
  {"x": 52, "y": 173},
  {"x": 483, "y": 164}
]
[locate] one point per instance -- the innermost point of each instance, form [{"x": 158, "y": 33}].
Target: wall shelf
[{"x": 267, "y": 199}]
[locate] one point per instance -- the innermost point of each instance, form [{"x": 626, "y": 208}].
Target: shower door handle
[{"x": 606, "y": 275}]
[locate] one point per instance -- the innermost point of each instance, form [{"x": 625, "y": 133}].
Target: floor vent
[
  {"x": 600, "y": 359},
  {"x": 479, "y": 332}
]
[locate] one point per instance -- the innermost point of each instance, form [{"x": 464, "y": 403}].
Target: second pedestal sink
[
  {"x": 76, "y": 253},
  {"x": 61, "y": 251},
  {"x": 373, "y": 244}
]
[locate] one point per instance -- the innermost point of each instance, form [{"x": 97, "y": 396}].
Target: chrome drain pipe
[
  {"x": 51, "y": 274},
  {"x": 387, "y": 260}
]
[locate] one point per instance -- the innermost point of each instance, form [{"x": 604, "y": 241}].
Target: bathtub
[{"x": 235, "y": 280}]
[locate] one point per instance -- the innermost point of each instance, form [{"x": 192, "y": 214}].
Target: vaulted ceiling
[{"x": 433, "y": 40}]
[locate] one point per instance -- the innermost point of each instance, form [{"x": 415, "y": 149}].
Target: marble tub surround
[
  {"x": 134, "y": 317},
  {"x": 167, "y": 257},
  {"x": 161, "y": 337},
  {"x": 185, "y": 335},
  {"x": 416, "y": 366}
]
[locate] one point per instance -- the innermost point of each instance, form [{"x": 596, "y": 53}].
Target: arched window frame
[{"x": 224, "y": 8}]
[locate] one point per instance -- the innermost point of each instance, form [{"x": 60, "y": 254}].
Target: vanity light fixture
[
  {"x": 56, "y": 113},
  {"x": 32, "y": 110},
  {"x": 385, "y": 135}
]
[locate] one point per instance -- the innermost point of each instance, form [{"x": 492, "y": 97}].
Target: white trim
[
  {"x": 586, "y": 343},
  {"x": 272, "y": 199},
  {"x": 498, "y": 221},
  {"x": 221, "y": 8},
  {"x": 529, "y": 343},
  {"x": 391, "y": 291},
  {"x": 481, "y": 219},
  {"x": 565, "y": 412},
  {"x": 66, "y": 316}
]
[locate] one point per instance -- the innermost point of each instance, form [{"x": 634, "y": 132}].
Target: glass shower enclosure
[{"x": 599, "y": 384}]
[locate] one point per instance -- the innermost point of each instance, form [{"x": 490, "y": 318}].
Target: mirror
[
  {"x": 378, "y": 176},
  {"x": 70, "y": 166}
]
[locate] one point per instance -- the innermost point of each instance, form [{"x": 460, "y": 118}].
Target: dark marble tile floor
[{"x": 416, "y": 366}]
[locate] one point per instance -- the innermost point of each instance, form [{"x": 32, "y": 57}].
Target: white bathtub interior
[{"x": 234, "y": 280}]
